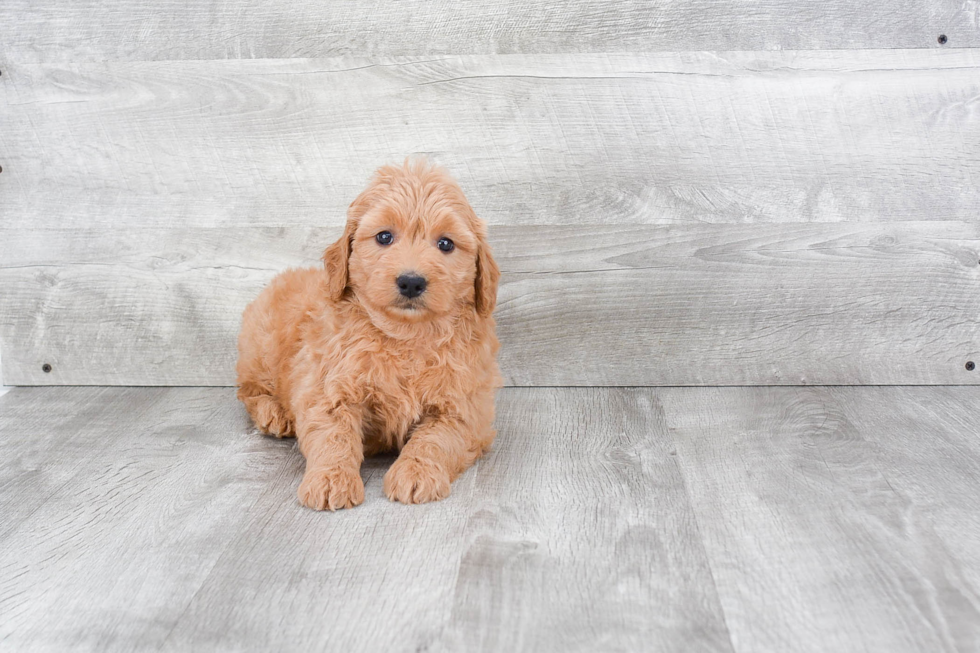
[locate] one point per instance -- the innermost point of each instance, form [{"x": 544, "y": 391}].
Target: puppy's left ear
[
  {"x": 336, "y": 258},
  {"x": 487, "y": 278}
]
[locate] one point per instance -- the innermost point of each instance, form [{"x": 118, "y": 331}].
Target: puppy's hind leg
[{"x": 266, "y": 411}]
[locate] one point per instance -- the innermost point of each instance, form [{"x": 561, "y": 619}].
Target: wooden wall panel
[
  {"x": 567, "y": 139},
  {"x": 590, "y": 305},
  {"x": 95, "y": 30},
  {"x": 677, "y": 218}
]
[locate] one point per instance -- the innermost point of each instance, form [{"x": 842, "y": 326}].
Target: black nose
[{"x": 411, "y": 285}]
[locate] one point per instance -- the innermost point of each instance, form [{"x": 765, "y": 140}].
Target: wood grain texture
[
  {"x": 154, "y": 490},
  {"x": 48, "y": 441},
  {"x": 186, "y": 29},
  {"x": 928, "y": 451},
  {"x": 543, "y": 139},
  {"x": 541, "y": 547},
  {"x": 833, "y": 517},
  {"x": 3, "y": 388},
  {"x": 860, "y": 303},
  {"x": 703, "y": 519},
  {"x": 493, "y": 568}
]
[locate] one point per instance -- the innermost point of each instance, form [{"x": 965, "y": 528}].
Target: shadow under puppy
[{"x": 391, "y": 346}]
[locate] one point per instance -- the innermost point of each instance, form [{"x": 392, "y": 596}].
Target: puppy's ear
[
  {"x": 336, "y": 258},
  {"x": 487, "y": 278}
]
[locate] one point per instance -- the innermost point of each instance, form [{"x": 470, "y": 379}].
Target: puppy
[{"x": 392, "y": 346}]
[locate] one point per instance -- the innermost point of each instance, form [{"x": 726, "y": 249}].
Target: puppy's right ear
[{"x": 336, "y": 258}]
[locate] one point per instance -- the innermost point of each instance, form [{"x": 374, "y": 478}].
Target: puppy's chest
[
  {"x": 399, "y": 393},
  {"x": 394, "y": 374}
]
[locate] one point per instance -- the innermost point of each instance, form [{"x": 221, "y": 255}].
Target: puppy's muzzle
[{"x": 410, "y": 285}]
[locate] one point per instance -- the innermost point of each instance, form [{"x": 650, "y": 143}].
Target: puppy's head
[{"x": 413, "y": 250}]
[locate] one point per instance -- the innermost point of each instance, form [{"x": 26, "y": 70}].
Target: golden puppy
[{"x": 391, "y": 346}]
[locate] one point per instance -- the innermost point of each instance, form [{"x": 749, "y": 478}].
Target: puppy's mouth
[{"x": 409, "y": 306}]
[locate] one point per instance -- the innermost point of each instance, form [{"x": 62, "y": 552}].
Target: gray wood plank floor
[{"x": 705, "y": 519}]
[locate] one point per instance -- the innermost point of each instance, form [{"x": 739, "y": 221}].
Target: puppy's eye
[
  {"x": 445, "y": 244},
  {"x": 384, "y": 238}
]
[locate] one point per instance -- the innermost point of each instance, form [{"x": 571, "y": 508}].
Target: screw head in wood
[
  {"x": 942, "y": 39},
  {"x": 970, "y": 366},
  {"x": 45, "y": 368}
]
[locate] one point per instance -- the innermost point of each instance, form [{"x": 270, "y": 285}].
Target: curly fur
[{"x": 336, "y": 357}]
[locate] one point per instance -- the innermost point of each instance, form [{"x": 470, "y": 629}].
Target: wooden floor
[{"x": 695, "y": 519}]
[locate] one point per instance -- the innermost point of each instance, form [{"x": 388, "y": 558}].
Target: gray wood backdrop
[
  {"x": 679, "y": 193},
  {"x": 133, "y": 30}
]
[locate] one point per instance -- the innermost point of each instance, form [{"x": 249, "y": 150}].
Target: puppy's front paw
[
  {"x": 416, "y": 481},
  {"x": 331, "y": 488}
]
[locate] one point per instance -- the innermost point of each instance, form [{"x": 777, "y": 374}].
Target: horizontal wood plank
[
  {"x": 544, "y": 139},
  {"x": 860, "y": 303},
  {"x": 89, "y": 30}
]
